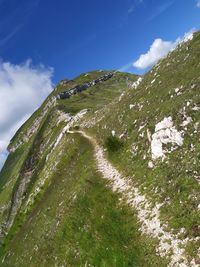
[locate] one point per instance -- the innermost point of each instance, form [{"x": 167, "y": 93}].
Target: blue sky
[
  {"x": 75, "y": 36},
  {"x": 44, "y": 41}
]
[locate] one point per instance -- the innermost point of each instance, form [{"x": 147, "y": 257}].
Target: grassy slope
[
  {"x": 22, "y": 160},
  {"x": 78, "y": 220},
  {"x": 9, "y": 176},
  {"x": 173, "y": 181}
]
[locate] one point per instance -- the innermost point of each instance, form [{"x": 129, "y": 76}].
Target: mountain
[{"x": 106, "y": 172}]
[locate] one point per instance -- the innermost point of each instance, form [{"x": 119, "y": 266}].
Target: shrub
[
  {"x": 76, "y": 127},
  {"x": 113, "y": 143}
]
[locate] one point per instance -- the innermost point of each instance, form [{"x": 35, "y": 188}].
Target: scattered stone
[
  {"x": 123, "y": 135},
  {"x": 195, "y": 108},
  {"x": 134, "y": 149},
  {"x": 113, "y": 133},
  {"x": 187, "y": 121},
  {"x": 141, "y": 134},
  {"x": 121, "y": 96},
  {"x": 188, "y": 103},
  {"x": 150, "y": 165},
  {"x": 149, "y": 135}
]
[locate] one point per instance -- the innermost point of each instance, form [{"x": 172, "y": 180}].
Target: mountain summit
[{"x": 106, "y": 172}]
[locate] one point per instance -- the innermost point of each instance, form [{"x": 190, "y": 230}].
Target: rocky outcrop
[
  {"x": 83, "y": 87},
  {"x": 17, "y": 199},
  {"x": 34, "y": 126},
  {"x": 165, "y": 133}
]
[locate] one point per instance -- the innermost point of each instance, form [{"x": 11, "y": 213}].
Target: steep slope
[
  {"x": 142, "y": 135},
  {"x": 158, "y": 123}
]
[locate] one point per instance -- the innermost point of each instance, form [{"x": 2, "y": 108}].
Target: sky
[{"x": 44, "y": 41}]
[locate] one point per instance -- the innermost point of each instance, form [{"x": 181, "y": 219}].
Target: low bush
[{"x": 113, "y": 144}]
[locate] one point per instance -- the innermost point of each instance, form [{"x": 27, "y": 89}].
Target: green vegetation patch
[{"x": 113, "y": 144}]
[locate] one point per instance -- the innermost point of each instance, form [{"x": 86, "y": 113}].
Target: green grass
[{"x": 79, "y": 220}]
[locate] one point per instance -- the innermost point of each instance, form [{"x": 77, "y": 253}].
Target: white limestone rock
[
  {"x": 150, "y": 165},
  {"x": 165, "y": 133},
  {"x": 113, "y": 133},
  {"x": 136, "y": 84}
]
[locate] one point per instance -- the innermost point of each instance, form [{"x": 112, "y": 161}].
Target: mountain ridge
[{"x": 148, "y": 128}]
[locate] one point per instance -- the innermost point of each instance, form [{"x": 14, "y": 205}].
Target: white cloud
[
  {"x": 158, "y": 50},
  {"x": 198, "y": 3},
  {"x": 22, "y": 89}
]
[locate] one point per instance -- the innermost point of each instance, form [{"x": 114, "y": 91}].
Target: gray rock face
[{"x": 83, "y": 87}]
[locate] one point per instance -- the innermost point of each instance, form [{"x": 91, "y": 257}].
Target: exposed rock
[
  {"x": 113, "y": 133},
  {"x": 150, "y": 165},
  {"x": 70, "y": 123},
  {"x": 83, "y": 87},
  {"x": 121, "y": 96},
  {"x": 187, "y": 121},
  {"x": 62, "y": 116},
  {"x": 123, "y": 135},
  {"x": 134, "y": 149},
  {"x": 149, "y": 135},
  {"x": 176, "y": 90},
  {"x": 165, "y": 133},
  {"x": 137, "y": 83}
]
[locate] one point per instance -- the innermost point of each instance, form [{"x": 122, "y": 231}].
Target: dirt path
[{"x": 169, "y": 243}]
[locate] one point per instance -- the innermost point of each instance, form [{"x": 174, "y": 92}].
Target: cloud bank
[
  {"x": 159, "y": 49},
  {"x": 22, "y": 90}
]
